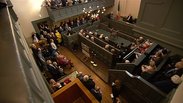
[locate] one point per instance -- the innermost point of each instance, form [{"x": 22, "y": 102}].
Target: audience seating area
[
  {"x": 153, "y": 77},
  {"x": 56, "y": 4},
  {"x": 144, "y": 53},
  {"x": 53, "y": 65},
  {"x": 138, "y": 62},
  {"x": 63, "y": 9}
]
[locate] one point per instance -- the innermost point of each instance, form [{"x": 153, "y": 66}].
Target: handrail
[
  {"x": 24, "y": 82},
  {"x": 137, "y": 83}
]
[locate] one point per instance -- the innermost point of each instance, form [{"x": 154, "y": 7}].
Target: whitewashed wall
[
  {"x": 27, "y": 11},
  {"x": 30, "y": 10},
  {"x": 127, "y": 7}
]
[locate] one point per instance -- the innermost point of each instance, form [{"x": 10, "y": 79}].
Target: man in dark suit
[{"x": 52, "y": 70}]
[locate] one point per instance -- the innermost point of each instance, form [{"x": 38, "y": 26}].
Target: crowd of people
[
  {"x": 49, "y": 59},
  {"x": 140, "y": 43},
  {"x": 45, "y": 46},
  {"x": 69, "y": 24},
  {"x": 45, "y": 50},
  {"x": 90, "y": 85},
  {"x": 55, "y": 4},
  {"x": 154, "y": 60},
  {"x": 129, "y": 18},
  {"x": 170, "y": 76}
]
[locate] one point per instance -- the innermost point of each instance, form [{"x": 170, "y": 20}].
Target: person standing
[{"x": 116, "y": 90}]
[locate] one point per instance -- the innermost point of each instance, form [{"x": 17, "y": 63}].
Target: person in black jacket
[
  {"x": 130, "y": 18},
  {"x": 97, "y": 93},
  {"x": 116, "y": 90},
  {"x": 170, "y": 78},
  {"x": 52, "y": 70},
  {"x": 88, "y": 82}
]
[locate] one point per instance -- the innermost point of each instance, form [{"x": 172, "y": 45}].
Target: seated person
[
  {"x": 67, "y": 80},
  {"x": 178, "y": 69},
  {"x": 144, "y": 46},
  {"x": 92, "y": 38},
  {"x": 97, "y": 93},
  {"x": 52, "y": 70},
  {"x": 168, "y": 84},
  {"x": 87, "y": 36},
  {"x": 88, "y": 82},
  {"x": 81, "y": 32},
  {"x": 58, "y": 68},
  {"x": 113, "y": 51},
  {"x": 139, "y": 40},
  {"x": 101, "y": 36},
  {"x": 147, "y": 44},
  {"x": 55, "y": 85},
  {"x": 96, "y": 34},
  {"x": 107, "y": 47},
  {"x": 80, "y": 76},
  {"x": 113, "y": 33},
  {"x": 168, "y": 76},
  {"x": 106, "y": 38},
  {"x": 157, "y": 57},
  {"x": 151, "y": 68}
]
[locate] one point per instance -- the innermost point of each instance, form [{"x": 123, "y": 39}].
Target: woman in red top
[{"x": 63, "y": 61}]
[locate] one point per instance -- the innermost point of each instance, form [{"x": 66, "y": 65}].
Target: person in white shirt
[{"x": 53, "y": 46}]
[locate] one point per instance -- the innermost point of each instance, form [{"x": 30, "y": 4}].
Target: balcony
[{"x": 65, "y": 12}]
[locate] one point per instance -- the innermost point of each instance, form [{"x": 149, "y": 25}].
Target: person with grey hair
[
  {"x": 80, "y": 76},
  {"x": 55, "y": 85},
  {"x": 57, "y": 67},
  {"x": 88, "y": 82},
  {"x": 52, "y": 70},
  {"x": 170, "y": 78},
  {"x": 106, "y": 38},
  {"x": 107, "y": 47},
  {"x": 92, "y": 38}
]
